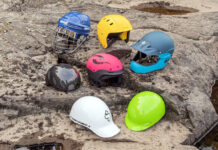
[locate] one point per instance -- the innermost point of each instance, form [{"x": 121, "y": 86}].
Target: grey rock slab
[{"x": 26, "y": 55}]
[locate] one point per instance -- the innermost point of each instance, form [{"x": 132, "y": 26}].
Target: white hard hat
[{"x": 94, "y": 114}]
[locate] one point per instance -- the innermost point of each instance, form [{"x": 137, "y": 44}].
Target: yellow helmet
[{"x": 115, "y": 26}]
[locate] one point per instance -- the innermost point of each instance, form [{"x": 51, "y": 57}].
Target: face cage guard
[{"x": 67, "y": 41}]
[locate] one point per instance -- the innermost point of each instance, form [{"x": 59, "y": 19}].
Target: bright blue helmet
[
  {"x": 153, "y": 44},
  {"x": 73, "y": 29},
  {"x": 75, "y": 22}
]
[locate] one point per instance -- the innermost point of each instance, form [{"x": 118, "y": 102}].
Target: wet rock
[
  {"x": 185, "y": 83},
  {"x": 190, "y": 70}
]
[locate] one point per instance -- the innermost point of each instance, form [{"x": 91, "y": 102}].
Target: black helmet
[{"x": 63, "y": 77}]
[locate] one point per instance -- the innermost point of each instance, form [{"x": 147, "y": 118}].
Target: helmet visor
[{"x": 107, "y": 131}]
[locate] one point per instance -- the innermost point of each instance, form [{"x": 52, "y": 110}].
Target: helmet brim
[
  {"x": 136, "y": 127},
  {"x": 148, "y": 51},
  {"x": 107, "y": 131}
]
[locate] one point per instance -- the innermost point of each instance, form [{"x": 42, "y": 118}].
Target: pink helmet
[{"x": 104, "y": 69}]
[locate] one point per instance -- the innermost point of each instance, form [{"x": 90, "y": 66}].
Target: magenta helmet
[{"x": 104, "y": 69}]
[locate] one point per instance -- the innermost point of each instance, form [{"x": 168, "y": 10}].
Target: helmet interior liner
[
  {"x": 112, "y": 37},
  {"x": 145, "y": 60}
]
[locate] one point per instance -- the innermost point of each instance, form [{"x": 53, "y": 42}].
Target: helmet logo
[
  {"x": 98, "y": 63},
  {"x": 144, "y": 42},
  {"x": 107, "y": 115}
]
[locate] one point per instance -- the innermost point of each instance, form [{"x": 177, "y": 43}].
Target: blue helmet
[
  {"x": 154, "y": 44},
  {"x": 73, "y": 29}
]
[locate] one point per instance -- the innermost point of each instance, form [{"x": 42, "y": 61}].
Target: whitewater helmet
[
  {"x": 144, "y": 110},
  {"x": 63, "y": 77},
  {"x": 72, "y": 31},
  {"x": 92, "y": 113},
  {"x": 104, "y": 70},
  {"x": 155, "y": 47},
  {"x": 113, "y": 27}
]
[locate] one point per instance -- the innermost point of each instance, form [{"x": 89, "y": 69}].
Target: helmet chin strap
[{"x": 73, "y": 50}]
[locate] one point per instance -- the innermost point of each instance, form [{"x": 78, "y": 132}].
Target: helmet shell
[
  {"x": 103, "y": 61},
  {"x": 113, "y": 24},
  {"x": 92, "y": 113},
  {"x": 75, "y": 22},
  {"x": 105, "y": 69},
  {"x": 155, "y": 43},
  {"x": 144, "y": 110},
  {"x": 63, "y": 77}
]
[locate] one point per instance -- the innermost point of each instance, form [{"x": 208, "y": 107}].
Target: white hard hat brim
[{"x": 107, "y": 131}]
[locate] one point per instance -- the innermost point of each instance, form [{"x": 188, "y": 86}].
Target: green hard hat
[{"x": 144, "y": 110}]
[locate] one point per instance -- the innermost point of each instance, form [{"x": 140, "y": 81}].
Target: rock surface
[{"x": 28, "y": 106}]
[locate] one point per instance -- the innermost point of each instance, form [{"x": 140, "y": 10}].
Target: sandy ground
[{"x": 165, "y": 135}]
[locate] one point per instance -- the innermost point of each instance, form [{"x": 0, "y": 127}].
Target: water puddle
[
  {"x": 164, "y": 8},
  {"x": 209, "y": 140}
]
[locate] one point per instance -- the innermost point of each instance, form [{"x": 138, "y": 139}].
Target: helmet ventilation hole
[
  {"x": 111, "y": 23},
  {"x": 108, "y": 20}
]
